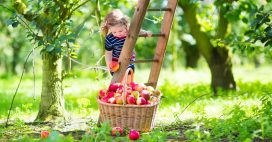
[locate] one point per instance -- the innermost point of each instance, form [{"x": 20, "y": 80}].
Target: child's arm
[{"x": 108, "y": 57}]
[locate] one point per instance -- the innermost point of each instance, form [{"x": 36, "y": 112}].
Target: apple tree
[{"x": 48, "y": 25}]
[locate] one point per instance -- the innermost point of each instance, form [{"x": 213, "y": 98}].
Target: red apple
[
  {"x": 105, "y": 99},
  {"x": 44, "y": 134},
  {"x": 133, "y": 85},
  {"x": 113, "y": 87},
  {"x": 110, "y": 94},
  {"x": 114, "y": 66},
  {"x": 136, "y": 94},
  {"x": 140, "y": 87},
  {"x": 116, "y": 131},
  {"x": 145, "y": 94},
  {"x": 102, "y": 93},
  {"x": 133, "y": 135},
  {"x": 112, "y": 100},
  {"x": 141, "y": 101},
  {"x": 131, "y": 99}
]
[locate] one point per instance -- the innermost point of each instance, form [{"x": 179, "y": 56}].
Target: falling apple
[{"x": 133, "y": 135}]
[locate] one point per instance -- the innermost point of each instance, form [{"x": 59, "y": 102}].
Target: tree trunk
[
  {"x": 218, "y": 58},
  {"x": 192, "y": 54},
  {"x": 16, "y": 51},
  {"x": 52, "y": 100}
]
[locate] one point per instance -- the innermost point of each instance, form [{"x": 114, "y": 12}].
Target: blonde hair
[{"x": 115, "y": 17}]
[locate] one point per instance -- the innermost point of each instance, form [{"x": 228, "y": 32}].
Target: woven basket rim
[{"x": 127, "y": 105}]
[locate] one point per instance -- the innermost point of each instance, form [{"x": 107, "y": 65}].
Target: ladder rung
[
  {"x": 159, "y": 9},
  {"x": 144, "y": 61},
  {"x": 152, "y": 35},
  {"x": 150, "y": 83}
]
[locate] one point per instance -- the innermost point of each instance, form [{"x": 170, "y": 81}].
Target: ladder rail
[
  {"x": 162, "y": 43},
  {"x": 131, "y": 38}
]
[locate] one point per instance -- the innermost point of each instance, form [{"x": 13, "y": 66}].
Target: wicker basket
[{"x": 138, "y": 117}]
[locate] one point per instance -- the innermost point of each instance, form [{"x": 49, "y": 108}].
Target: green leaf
[
  {"x": 268, "y": 31},
  {"x": 49, "y": 48}
]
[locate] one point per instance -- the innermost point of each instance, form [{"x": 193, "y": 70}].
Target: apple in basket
[
  {"x": 110, "y": 94},
  {"x": 131, "y": 99},
  {"x": 112, "y": 100},
  {"x": 133, "y": 85},
  {"x": 150, "y": 89},
  {"x": 102, "y": 93},
  {"x": 114, "y": 86},
  {"x": 105, "y": 99},
  {"x": 119, "y": 100},
  {"x": 140, "y": 87},
  {"x": 133, "y": 135},
  {"x": 141, "y": 101},
  {"x": 136, "y": 94},
  {"x": 145, "y": 94}
]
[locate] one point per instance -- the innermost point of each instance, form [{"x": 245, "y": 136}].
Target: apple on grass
[
  {"x": 116, "y": 131},
  {"x": 133, "y": 135},
  {"x": 44, "y": 134},
  {"x": 141, "y": 101}
]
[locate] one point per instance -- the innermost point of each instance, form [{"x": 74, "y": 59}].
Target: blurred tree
[
  {"x": 51, "y": 21},
  {"x": 217, "y": 57}
]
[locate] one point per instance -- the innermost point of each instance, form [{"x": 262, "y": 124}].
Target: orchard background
[{"x": 216, "y": 76}]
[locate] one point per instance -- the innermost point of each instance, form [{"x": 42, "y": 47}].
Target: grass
[{"x": 182, "y": 89}]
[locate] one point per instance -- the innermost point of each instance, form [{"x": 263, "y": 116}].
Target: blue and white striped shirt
[{"x": 115, "y": 45}]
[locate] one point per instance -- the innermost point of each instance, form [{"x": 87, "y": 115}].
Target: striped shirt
[{"x": 115, "y": 45}]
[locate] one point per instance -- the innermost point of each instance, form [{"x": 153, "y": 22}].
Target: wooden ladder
[{"x": 133, "y": 34}]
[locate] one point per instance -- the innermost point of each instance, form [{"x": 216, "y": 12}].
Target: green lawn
[{"x": 181, "y": 89}]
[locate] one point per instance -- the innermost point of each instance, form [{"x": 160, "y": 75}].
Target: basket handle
[{"x": 125, "y": 83}]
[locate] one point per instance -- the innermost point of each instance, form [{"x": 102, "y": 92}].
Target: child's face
[{"x": 119, "y": 31}]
